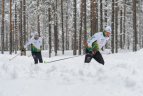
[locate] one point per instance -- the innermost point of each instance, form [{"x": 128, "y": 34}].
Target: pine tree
[
  {"x": 10, "y": 37},
  {"x": 63, "y": 48},
  {"x": 50, "y": 37},
  {"x": 135, "y": 36},
  {"x": 101, "y": 16},
  {"x": 55, "y": 28},
  {"x": 112, "y": 21},
  {"x": 75, "y": 28},
  {"x": 81, "y": 25},
  {"x": 116, "y": 26},
  {"x": 2, "y": 27}
]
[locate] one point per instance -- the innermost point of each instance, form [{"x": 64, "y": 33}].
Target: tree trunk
[
  {"x": 101, "y": 16},
  {"x": 2, "y": 27},
  {"x": 135, "y": 36},
  {"x": 21, "y": 29},
  {"x": 85, "y": 28},
  {"x": 75, "y": 29},
  {"x": 38, "y": 19},
  {"x": 121, "y": 32},
  {"x": 62, "y": 27},
  {"x": 67, "y": 32},
  {"x": 116, "y": 27},
  {"x": 112, "y": 42},
  {"x": 105, "y": 13},
  {"x": 124, "y": 25},
  {"x": 16, "y": 30},
  {"x": 93, "y": 17},
  {"x": 55, "y": 29},
  {"x": 10, "y": 37},
  {"x": 81, "y": 23},
  {"x": 24, "y": 25},
  {"x": 50, "y": 43}
]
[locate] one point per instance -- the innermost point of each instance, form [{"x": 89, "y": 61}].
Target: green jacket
[
  {"x": 95, "y": 47},
  {"x": 34, "y": 49}
]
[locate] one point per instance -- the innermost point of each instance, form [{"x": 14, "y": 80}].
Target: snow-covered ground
[{"x": 122, "y": 75}]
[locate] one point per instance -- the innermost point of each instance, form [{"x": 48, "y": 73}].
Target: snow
[{"x": 122, "y": 75}]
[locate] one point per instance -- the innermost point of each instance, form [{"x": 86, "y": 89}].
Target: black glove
[{"x": 23, "y": 49}]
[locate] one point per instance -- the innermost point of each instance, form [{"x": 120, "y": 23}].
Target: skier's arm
[
  {"x": 86, "y": 44},
  {"x": 92, "y": 39},
  {"x": 28, "y": 43}
]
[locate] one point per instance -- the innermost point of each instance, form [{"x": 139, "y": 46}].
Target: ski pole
[
  {"x": 14, "y": 57},
  {"x": 61, "y": 59}
]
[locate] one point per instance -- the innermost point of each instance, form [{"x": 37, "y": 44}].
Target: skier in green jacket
[
  {"x": 95, "y": 44},
  {"x": 36, "y": 44}
]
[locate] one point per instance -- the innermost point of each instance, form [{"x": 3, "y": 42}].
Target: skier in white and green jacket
[
  {"x": 36, "y": 44},
  {"x": 95, "y": 44}
]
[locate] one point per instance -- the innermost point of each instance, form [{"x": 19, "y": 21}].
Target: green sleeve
[
  {"x": 95, "y": 46},
  {"x": 89, "y": 49}
]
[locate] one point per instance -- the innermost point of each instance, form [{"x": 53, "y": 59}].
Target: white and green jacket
[
  {"x": 100, "y": 39},
  {"x": 35, "y": 44}
]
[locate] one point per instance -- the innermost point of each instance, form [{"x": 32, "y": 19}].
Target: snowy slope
[{"x": 122, "y": 75}]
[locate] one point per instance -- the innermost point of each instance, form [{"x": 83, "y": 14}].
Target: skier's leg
[
  {"x": 98, "y": 57},
  {"x": 88, "y": 58},
  {"x": 34, "y": 55},
  {"x": 40, "y": 57}
]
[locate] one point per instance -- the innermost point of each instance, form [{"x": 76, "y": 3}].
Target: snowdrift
[{"x": 122, "y": 75}]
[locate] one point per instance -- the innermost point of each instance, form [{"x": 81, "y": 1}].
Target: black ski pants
[
  {"x": 37, "y": 56},
  {"x": 98, "y": 57}
]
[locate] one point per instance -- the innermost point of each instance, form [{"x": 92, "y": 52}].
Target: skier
[
  {"x": 36, "y": 43},
  {"x": 95, "y": 44}
]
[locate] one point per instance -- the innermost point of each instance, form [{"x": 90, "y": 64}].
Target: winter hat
[
  {"x": 108, "y": 29},
  {"x": 34, "y": 33}
]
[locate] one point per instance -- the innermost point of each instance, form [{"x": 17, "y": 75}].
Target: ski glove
[{"x": 23, "y": 49}]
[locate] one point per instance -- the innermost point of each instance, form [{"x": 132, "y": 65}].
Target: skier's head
[
  {"x": 108, "y": 31},
  {"x": 35, "y": 35}
]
